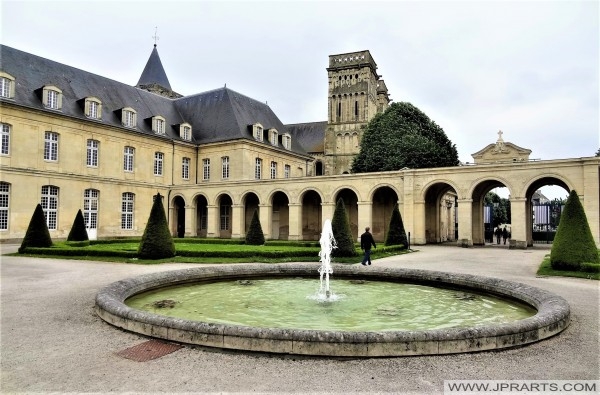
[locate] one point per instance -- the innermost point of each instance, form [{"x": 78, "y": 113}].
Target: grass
[{"x": 545, "y": 269}]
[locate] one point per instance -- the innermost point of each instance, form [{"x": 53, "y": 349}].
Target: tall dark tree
[
  {"x": 341, "y": 231},
  {"x": 403, "y": 136},
  {"x": 78, "y": 231},
  {"x": 255, "y": 235},
  {"x": 157, "y": 242},
  {"x": 396, "y": 233},
  {"x": 573, "y": 243},
  {"x": 598, "y": 152},
  {"x": 37, "y": 234}
]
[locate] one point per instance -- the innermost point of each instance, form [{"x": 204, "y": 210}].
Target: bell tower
[{"x": 356, "y": 93}]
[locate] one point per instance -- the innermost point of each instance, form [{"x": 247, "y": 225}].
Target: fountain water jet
[{"x": 328, "y": 243}]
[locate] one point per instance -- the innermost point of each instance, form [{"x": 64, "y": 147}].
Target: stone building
[{"x": 74, "y": 140}]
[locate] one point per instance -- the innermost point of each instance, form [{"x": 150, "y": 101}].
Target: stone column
[
  {"x": 465, "y": 223},
  {"x": 520, "y": 221},
  {"x": 591, "y": 197},
  {"x": 365, "y": 216},
  {"x": 327, "y": 210},
  {"x": 417, "y": 235},
  {"x": 212, "y": 221},
  {"x": 237, "y": 221},
  {"x": 190, "y": 221},
  {"x": 295, "y": 221}
]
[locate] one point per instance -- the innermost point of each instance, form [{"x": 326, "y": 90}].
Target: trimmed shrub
[
  {"x": 157, "y": 242},
  {"x": 255, "y": 234},
  {"x": 573, "y": 243},
  {"x": 342, "y": 232},
  {"x": 37, "y": 234},
  {"x": 396, "y": 233},
  {"x": 78, "y": 231},
  {"x": 590, "y": 267}
]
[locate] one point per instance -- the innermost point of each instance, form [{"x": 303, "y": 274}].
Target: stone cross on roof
[{"x": 155, "y": 37}]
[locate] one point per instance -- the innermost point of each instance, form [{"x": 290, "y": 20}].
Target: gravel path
[{"x": 52, "y": 341}]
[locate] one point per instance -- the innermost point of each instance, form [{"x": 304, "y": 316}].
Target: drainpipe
[{"x": 197, "y": 155}]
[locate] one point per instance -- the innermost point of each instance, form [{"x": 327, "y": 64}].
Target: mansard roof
[
  {"x": 216, "y": 115},
  {"x": 311, "y": 135},
  {"x": 154, "y": 73}
]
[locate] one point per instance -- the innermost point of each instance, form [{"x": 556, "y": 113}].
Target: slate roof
[
  {"x": 311, "y": 135},
  {"x": 154, "y": 73},
  {"x": 217, "y": 115}
]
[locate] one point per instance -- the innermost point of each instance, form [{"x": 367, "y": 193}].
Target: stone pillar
[
  {"x": 465, "y": 223},
  {"x": 190, "y": 221},
  {"x": 591, "y": 198},
  {"x": 264, "y": 215},
  {"x": 418, "y": 235},
  {"x": 365, "y": 216},
  {"x": 327, "y": 210},
  {"x": 212, "y": 221},
  {"x": 238, "y": 220},
  {"x": 295, "y": 221},
  {"x": 520, "y": 222}
]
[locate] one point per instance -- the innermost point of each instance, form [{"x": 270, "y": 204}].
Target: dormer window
[
  {"x": 185, "y": 131},
  {"x": 286, "y": 140},
  {"x": 7, "y": 86},
  {"x": 158, "y": 124},
  {"x": 257, "y": 131},
  {"x": 128, "y": 117},
  {"x": 273, "y": 136},
  {"x": 52, "y": 97},
  {"x": 93, "y": 108}
]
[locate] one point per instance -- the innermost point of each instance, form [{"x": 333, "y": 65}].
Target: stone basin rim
[{"x": 553, "y": 314}]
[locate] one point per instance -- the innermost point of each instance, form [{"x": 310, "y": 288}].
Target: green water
[{"x": 354, "y": 305}]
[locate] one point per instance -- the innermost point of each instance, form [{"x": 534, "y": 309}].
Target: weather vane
[{"x": 155, "y": 37}]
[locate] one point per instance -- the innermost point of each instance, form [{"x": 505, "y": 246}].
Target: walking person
[
  {"x": 504, "y": 234},
  {"x": 498, "y": 234},
  {"x": 366, "y": 241}
]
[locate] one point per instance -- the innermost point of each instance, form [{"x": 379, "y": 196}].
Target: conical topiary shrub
[
  {"x": 78, "y": 231},
  {"x": 157, "y": 242},
  {"x": 396, "y": 233},
  {"x": 255, "y": 234},
  {"x": 573, "y": 243},
  {"x": 37, "y": 234},
  {"x": 341, "y": 232}
]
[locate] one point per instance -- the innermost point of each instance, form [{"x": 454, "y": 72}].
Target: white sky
[{"x": 530, "y": 69}]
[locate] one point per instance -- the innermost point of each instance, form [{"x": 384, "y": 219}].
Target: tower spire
[{"x": 155, "y": 37}]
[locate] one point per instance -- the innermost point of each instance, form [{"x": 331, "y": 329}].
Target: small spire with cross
[
  {"x": 500, "y": 135},
  {"x": 155, "y": 37}
]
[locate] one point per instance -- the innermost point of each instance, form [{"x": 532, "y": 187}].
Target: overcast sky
[{"x": 530, "y": 69}]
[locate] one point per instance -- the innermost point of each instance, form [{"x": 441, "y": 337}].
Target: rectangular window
[
  {"x": 127, "y": 211},
  {"x": 4, "y": 139},
  {"x": 258, "y": 169},
  {"x": 185, "y": 168},
  {"x": 225, "y": 217},
  {"x": 93, "y": 110},
  {"x": 128, "y": 119},
  {"x": 90, "y": 208},
  {"x": 4, "y": 205},
  {"x": 158, "y": 163},
  {"x": 225, "y": 167},
  {"x": 187, "y": 133},
  {"x": 273, "y": 137},
  {"x": 160, "y": 126},
  {"x": 273, "y": 170},
  {"x": 206, "y": 169},
  {"x": 286, "y": 171},
  {"x": 51, "y": 146},
  {"x": 258, "y": 133},
  {"x": 92, "y": 153},
  {"x": 5, "y": 87},
  {"x": 50, "y": 205},
  {"x": 52, "y": 99},
  {"x": 128, "y": 154}
]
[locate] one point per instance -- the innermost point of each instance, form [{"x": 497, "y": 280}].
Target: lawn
[{"x": 545, "y": 269}]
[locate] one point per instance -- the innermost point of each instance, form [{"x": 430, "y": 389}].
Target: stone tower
[{"x": 356, "y": 93}]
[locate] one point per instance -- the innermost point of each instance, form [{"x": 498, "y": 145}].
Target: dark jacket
[{"x": 366, "y": 240}]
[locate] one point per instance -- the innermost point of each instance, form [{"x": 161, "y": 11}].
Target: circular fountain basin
[{"x": 551, "y": 318}]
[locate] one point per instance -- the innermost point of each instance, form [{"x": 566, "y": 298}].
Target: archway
[
  {"x": 280, "y": 223},
  {"x": 201, "y": 216},
  {"x": 311, "y": 215},
  {"x": 225, "y": 204},
  {"x": 251, "y": 203},
  {"x": 486, "y": 220},
  {"x": 351, "y": 204},
  {"x": 384, "y": 201},
  {"x": 543, "y": 212},
  {"x": 440, "y": 213},
  {"x": 179, "y": 216}
]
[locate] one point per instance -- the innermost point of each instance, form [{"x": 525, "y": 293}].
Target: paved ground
[{"x": 51, "y": 340}]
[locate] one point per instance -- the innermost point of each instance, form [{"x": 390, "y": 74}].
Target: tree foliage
[
  {"x": 37, "y": 234},
  {"x": 341, "y": 231},
  {"x": 396, "y": 233},
  {"x": 157, "y": 242},
  {"x": 598, "y": 152},
  {"x": 403, "y": 136},
  {"x": 255, "y": 234},
  {"x": 573, "y": 243},
  {"x": 501, "y": 208},
  {"x": 78, "y": 231}
]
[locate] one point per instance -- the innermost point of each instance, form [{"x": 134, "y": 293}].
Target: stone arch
[
  {"x": 477, "y": 193},
  {"x": 384, "y": 198},
  {"x": 280, "y": 215},
  {"x": 224, "y": 213},
  {"x": 201, "y": 203},
  {"x": 178, "y": 216},
  {"x": 311, "y": 213},
  {"x": 251, "y": 203},
  {"x": 350, "y": 198},
  {"x": 440, "y": 211}
]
